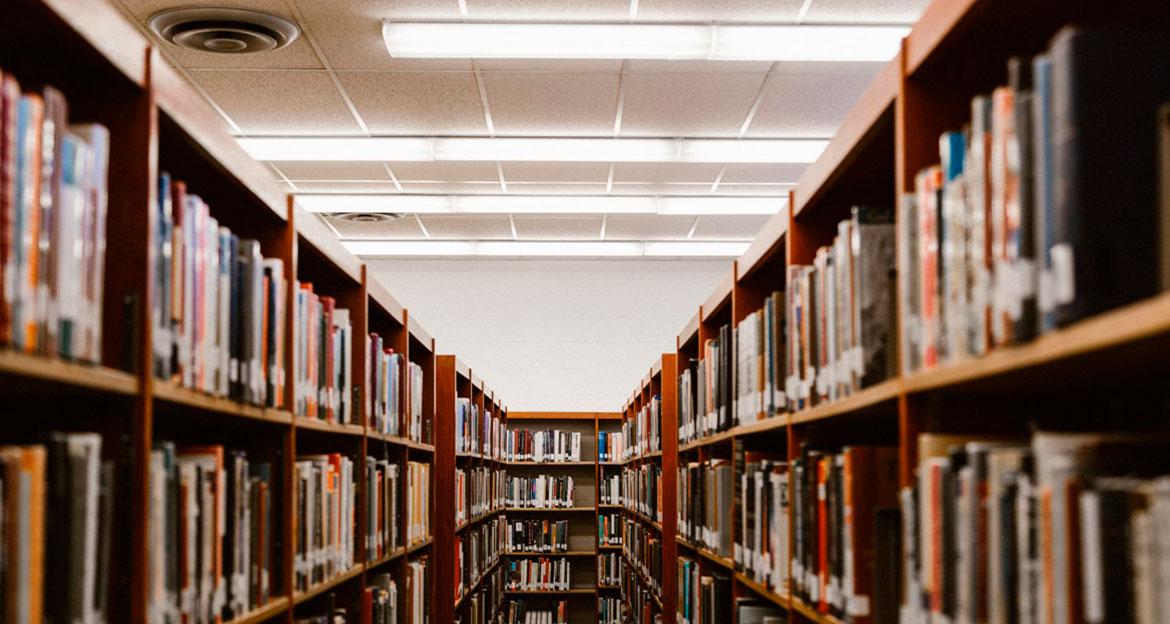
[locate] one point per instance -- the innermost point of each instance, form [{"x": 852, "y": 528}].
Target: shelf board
[
  {"x": 647, "y": 519},
  {"x": 576, "y": 591},
  {"x": 579, "y": 464},
  {"x": 381, "y": 296},
  {"x": 809, "y": 612},
  {"x": 1116, "y": 329},
  {"x": 707, "y": 441},
  {"x": 386, "y": 558},
  {"x": 262, "y": 613},
  {"x": 689, "y": 332},
  {"x": 609, "y": 547},
  {"x": 476, "y": 520},
  {"x": 724, "y": 562},
  {"x": 769, "y": 242},
  {"x": 720, "y": 298},
  {"x": 313, "y": 232},
  {"x": 762, "y": 591},
  {"x": 880, "y": 393},
  {"x": 608, "y": 506},
  {"x": 316, "y": 424},
  {"x": 324, "y": 586},
  {"x": 417, "y": 546},
  {"x": 168, "y": 392},
  {"x": 400, "y": 441},
  {"x": 21, "y": 367},
  {"x": 613, "y": 587},
  {"x": 547, "y": 509},
  {"x": 568, "y": 553}
]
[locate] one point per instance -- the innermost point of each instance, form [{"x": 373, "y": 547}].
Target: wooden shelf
[
  {"x": 471, "y": 590},
  {"x": 400, "y": 441},
  {"x": 547, "y": 509},
  {"x": 316, "y": 424},
  {"x": 417, "y": 546},
  {"x": 566, "y": 464},
  {"x": 551, "y": 592},
  {"x": 722, "y": 436},
  {"x": 401, "y": 552},
  {"x": 568, "y": 553},
  {"x": 170, "y": 393},
  {"x": 724, "y": 562},
  {"x": 260, "y": 614},
  {"x": 477, "y": 520},
  {"x": 325, "y": 586},
  {"x": 609, "y": 547},
  {"x": 864, "y": 399},
  {"x": 810, "y": 613},
  {"x": 22, "y": 368},
  {"x": 762, "y": 591},
  {"x": 720, "y": 298}
]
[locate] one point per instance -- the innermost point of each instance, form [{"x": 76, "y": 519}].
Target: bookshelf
[
  {"x": 956, "y": 51},
  {"x": 159, "y": 124}
]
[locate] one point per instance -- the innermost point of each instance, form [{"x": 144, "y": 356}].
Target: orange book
[{"x": 24, "y": 519}]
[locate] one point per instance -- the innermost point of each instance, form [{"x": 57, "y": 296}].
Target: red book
[
  {"x": 9, "y": 101},
  {"x": 328, "y": 391}
]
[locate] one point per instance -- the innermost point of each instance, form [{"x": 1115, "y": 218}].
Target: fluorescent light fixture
[
  {"x": 485, "y": 149},
  {"x": 730, "y": 249},
  {"x": 540, "y": 204},
  {"x": 641, "y": 41},
  {"x": 548, "y": 249}
]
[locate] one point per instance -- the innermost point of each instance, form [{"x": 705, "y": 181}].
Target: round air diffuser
[
  {"x": 367, "y": 217},
  {"x": 225, "y": 31}
]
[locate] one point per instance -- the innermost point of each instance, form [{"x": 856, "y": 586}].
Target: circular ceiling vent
[
  {"x": 225, "y": 31},
  {"x": 367, "y": 217}
]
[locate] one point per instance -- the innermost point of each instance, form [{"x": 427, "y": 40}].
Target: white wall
[{"x": 554, "y": 335}]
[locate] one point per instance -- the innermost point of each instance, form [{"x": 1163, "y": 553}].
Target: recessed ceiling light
[
  {"x": 484, "y": 149},
  {"x": 728, "y": 42},
  {"x": 539, "y": 204}
]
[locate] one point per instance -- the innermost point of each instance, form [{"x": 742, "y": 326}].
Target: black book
[
  {"x": 887, "y": 587},
  {"x": 1107, "y": 85},
  {"x": 1024, "y": 244},
  {"x": 236, "y": 333}
]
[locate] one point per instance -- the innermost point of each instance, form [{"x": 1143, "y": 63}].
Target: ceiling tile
[
  {"x": 577, "y": 227},
  {"x": 767, "y": 173},
  {"x": 760, "y": 190},
  {"x": 673, "y": 188},
  {"x": 700, "y": 173},
  {"x": 297, "y": 55},
  {"x": 647, "y": 227},
  {"x": 402, "y": 228},
  {"x": 349, "y": 32},
  {"x": 332, "y": 171},
  {"x": 560, "y": 10},
  {"x": 555, "y": 172},
  {"x": 530, "y": 104},
  {"x": 345, "y": 187},
  {"x": 687, "y": 104},
  {"x": 865, "y": 11},
  {"x": 468, "y": 227},
  {"x": 563, "y": 66},
  {"x": 279, "y": 102},
  {"x": 722, "y": 227},
  {"x": 442, "y": 171},
  {"x": 455, "y": 188},
  {"x": 683, "y": 66},
  {"x": 806, "y": 105},
  {"x": 545, "y": 188},
  {"x": 722, "y": 11},
  {"x": 416, "y": 103}
]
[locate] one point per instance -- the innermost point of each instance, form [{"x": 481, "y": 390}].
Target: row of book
[
  {"x": 380, "y": 600},
  {"x": 760, "y": 340},
  {"x": 482, "y": 606},
  {"x": 540, "y": 491},
  {"x": 383, "y": 534},
  {"x": 642, "y": 487},
  {"x": 326, "y": 503},
  {"x": 538, "y": 536},
  {"x": 478, "y": 491},
  {"x": 396, "y": 392},
  {"x": 477, "y": 432},
  {"x": 841, "y": 318},
  {"x": 518, "y": 612},
  {"x": 1062, "y": 527},
  {"x": 705, "y": 505},
  {"x": 219, "y": 313},
  {"x": 210, "y": 537},
  {"x": 610, "y": 488},
  {"x": 643, "y": 432},
  {"x": 418, "y": 493},
  {"x": 610, "y": 446},
  {"x": 476, "y": 551},
  {"x": 843, "y": 537},
  {"x": 538, "y": 574},
  {"x": 1013, "y": 234},
  {"x": 762, "y": 541},
  {"x": 53, "y": 205},
  {"x": 705, "y": 390},
  {"x": 609, "y": 529},
  {"x": 323, "y": 357},
  {"x": 609, "y": 569},
  {"x": 609, "y": 610},
  {"x": 702, "y": 598},
  {"x": 643, "y": 547},
  {"x": 542, "y": 445},
  {"x": 57, "y": 507},
  {"x": 642, "y": 601}
]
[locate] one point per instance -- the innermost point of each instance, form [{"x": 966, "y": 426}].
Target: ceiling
[{"x": 337, "y": 79}]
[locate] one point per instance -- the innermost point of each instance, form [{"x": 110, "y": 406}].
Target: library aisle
[{"x": 805, "y": 311}]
